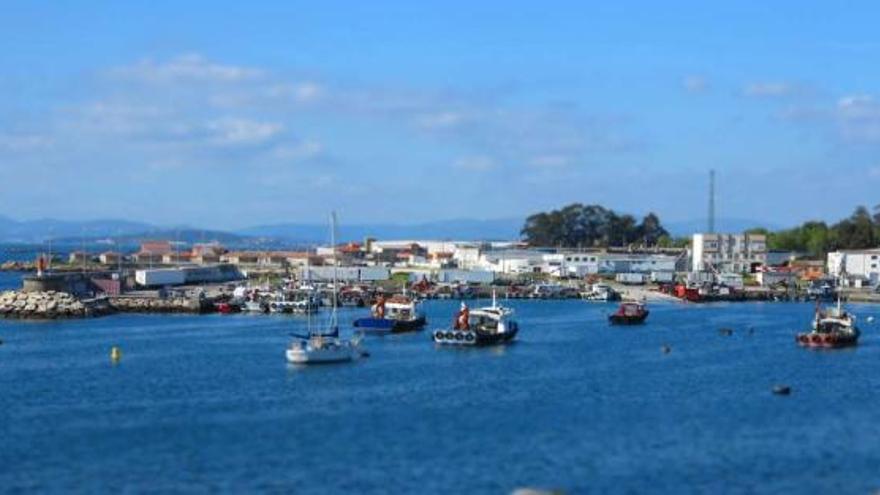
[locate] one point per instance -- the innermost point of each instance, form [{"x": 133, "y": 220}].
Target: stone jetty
[
  {"x": 48, "y": 305},
  {"x": 17, "y": 266},
  {"x": 126, "y": 304}
]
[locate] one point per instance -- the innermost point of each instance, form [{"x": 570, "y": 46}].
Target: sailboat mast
[{"x": 333, "y": 318}]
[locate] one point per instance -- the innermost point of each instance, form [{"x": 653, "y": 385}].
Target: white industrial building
[
  {"x": 735, "y": 253},
  {"x": 346, "y": 274},
  {"x": 855, "y": 266}
]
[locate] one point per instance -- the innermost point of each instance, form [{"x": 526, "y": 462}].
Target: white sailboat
[{"x": 326, "y": 346}]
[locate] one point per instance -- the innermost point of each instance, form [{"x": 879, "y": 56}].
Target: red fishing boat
[
  {"x": 629, "y": 313},
  {"x": 832, "y": 328}
]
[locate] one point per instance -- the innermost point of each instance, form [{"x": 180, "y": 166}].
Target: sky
[{"x": 230, "y": 114}]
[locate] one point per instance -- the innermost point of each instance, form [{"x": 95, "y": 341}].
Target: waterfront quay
[{"x": 164, "y": 277}]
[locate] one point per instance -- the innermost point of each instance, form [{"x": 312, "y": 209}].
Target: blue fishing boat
[{"x": 395, "y": 315}]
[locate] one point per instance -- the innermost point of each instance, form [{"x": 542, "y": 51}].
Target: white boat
[
  {"x": 317, "y": 349},
  {"x": 326, "y": 347},
  {"x": 253, "y": 307},
  {"x": 546, "y": 291},
  {"x": 484, "y": 326},
  {"x": 600, "y": 292}
]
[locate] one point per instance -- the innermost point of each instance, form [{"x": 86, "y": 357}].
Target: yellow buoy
[{"x": 115, "y": 354}]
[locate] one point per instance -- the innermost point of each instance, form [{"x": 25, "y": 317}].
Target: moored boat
[
  {"x": 600, "y": 292},
  {"x": 480, "y": 327},
  {"x": 326, "y": 347},
  {"x": 629, "y": 313},
  {"x": 832, "y": 328},
  {"x": 398, "y": 314}
]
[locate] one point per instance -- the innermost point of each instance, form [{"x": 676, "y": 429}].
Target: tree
[
  {"x": 576, "y": 225},
  {"x": 650, "y": 231},
  {"x": 857, "y": 231}
]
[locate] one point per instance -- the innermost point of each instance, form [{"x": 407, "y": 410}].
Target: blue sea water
[
  {"x": 208, "y": 404},
  {"x": 10, "y": 280}
]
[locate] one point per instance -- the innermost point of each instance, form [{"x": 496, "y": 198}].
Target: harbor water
[{"x": 209, "y": 404}]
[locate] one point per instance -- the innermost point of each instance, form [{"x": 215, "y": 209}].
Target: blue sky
[{"x": 227, "y": 114}]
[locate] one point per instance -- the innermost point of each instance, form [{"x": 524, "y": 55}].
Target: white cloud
[
  {"x": 769, "y": 89},
  {"x": 440, "y": 120},
  {"x": 298, "y": 151},
  {"x": 858, "y": 118},
  {"x": 236, "y": 131},
  {"x": 187, "y": 67},
  {"x": 474, "y": 163},
  {"x": 550, "y": 161},
  {"x": 23, "y": 142},
  {"x": 695, "y": 84}
]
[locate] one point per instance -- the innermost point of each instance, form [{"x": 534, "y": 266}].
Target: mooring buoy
[
  {"x": 727, "y": 332},
  {"x": 665, "y": 349},
  {"x": 781, "y": 390},
  {"x": 115, "y": 354}
]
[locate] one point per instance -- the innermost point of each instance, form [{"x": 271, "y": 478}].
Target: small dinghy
[
  {"x": 629, "y": 313},
  {"x": 480, "y": 327}
]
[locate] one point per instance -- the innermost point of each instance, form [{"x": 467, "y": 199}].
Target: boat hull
[
  {"x": 382, "y": 326},
  {"x": 616, "y": 319},
  {"x": 338, "y": 354},
  {"x": 826, "y": 341},
  {"x": 473, "y": 338}
]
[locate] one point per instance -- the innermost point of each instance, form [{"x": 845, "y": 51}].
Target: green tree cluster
[
  {"x": 860, "y": 230},
  {"x": 578, "y": 225}
]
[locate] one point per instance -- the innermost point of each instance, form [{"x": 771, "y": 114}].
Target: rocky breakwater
[
  {"x": 48, "y": 305},
  {"x": 162, "y": 305},
  {"x": 17, "y": 266}
]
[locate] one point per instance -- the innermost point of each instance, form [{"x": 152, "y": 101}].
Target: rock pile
[
  {"x": 16, "y": 266},
  {"x": 158, "y": 305},
  {"x": 45, "y": 305}
]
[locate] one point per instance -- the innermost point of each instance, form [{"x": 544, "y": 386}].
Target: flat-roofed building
[{"x": 736, "y": 253}]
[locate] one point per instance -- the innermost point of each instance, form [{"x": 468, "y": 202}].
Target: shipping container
[
  {"x": 631, "y": 278},
  {"x": 159, "y": 277},
  {"x": 662, "y": 277}
]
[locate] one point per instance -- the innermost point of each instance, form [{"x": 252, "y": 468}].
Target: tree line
[
  {"x": 861, "y": 230},
  {"x": 578, "y": 225}
]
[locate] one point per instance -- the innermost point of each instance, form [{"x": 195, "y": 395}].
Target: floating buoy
[
  {"x": 870, "y": 319},
  {"x": 727, "y": 332},
  {"x": 781, "y": 390},
  {"x": 115, "y": 354},
  {"x": 665, "y": 349}
]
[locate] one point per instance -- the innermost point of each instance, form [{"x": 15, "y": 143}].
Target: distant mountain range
[
  {"x": 128, "y": 232},
  {"x": 40, "y": 230}
]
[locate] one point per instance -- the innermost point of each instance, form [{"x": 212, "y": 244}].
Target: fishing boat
[
  {"x": 629, "y": 313},
  {"x": 398, "y": 314},
  {"x": 481, "y": 327},
  {"x": 832, "y": 328},
  {"x": 254, "y": 306},
  {"x": 601, "y": 293},
  {"x": 323, "y": 347}
]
